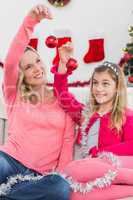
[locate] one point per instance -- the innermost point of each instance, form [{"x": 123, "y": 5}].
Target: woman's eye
[
  {"x": 28, "y": 67},
  {"x": 38, "y": 60}
]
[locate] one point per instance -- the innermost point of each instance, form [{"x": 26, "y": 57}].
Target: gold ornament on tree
[
  {"x": 130, "y": 29},
  {"x": 59, "y": 3},
  {"x": 124, "y": 49}
]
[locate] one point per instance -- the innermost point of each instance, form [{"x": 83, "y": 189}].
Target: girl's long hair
[{"x": 120, "y": 99}]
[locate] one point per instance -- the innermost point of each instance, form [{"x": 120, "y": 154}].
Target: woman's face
[
  {"x": 103, "y": 88},
  {"x": 33, "y": 68}
]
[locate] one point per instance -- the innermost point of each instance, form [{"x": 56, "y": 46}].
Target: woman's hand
[
  {"x": 40, "y": 12},
  {"x": 65, "y": 52}
]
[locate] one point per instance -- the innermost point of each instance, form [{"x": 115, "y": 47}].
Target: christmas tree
[{"x": 126, "y": 61}]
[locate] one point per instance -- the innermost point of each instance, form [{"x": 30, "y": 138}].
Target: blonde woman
[{"x": 40, "y": 133}]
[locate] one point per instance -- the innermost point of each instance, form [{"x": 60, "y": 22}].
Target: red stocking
[
  {"x": 61, "y": 41},
  {"x": 95, "y": 52},
  {"x": 33, "y": 43}
]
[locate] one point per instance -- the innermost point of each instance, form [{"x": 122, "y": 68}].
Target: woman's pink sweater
[{"x": 40, "y": 136}]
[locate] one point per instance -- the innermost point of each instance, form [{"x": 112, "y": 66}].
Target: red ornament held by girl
[{"x": 71, "y": 65}]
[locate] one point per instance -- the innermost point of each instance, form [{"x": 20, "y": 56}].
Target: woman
[{"x": 40, "y": 133}]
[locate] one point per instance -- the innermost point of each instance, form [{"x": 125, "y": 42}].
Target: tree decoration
[
  {"x": 126, "y": 62},
  {"x": 51, "y": 41},
  {"x": 59, "y": 3}
]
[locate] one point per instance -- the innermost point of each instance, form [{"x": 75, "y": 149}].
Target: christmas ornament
[
  {"x": 59, "y": 3},
  {"x": 124, "y": 49},
  {"x": 127, "y": 57},
  {"x": 54, "y": 42},
  {"x": 130, "y": 79},
  {"x": 71, "y": 65},
  {"x": 51, "y": 41},
  {"x": 130, "y": 29}
]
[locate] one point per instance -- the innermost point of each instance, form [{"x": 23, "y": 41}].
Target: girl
[
  {"x": 105, "y": 122},
  {"x": 40, "y": 133},
  {"x": 105, "y": 125}
]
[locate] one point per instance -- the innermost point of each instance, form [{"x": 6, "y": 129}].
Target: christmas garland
[
  {"x": 75, "y": 84},
  {"x": 102, "y": 182}
]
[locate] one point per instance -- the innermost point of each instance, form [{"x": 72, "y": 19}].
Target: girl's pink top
[{"x": 39, "y": 136}]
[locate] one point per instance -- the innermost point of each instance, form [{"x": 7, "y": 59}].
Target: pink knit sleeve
[
  {"x": 16, "y": 50},
  {"x": 66, "y": 154},
  {"x": 67, "y": 101}
]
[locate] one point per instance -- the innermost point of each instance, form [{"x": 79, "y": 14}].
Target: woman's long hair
[{"x": 120, "y": 99}]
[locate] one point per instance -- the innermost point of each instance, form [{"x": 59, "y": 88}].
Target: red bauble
[
  {"x": 71, "y": 65},
  {"x": 127, "y": 56},
  {"x": 51, "y": 41},
  {"x": 130, "y": 79}
]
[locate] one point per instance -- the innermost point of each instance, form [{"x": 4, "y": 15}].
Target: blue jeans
[{"x": 50, "y": 187}]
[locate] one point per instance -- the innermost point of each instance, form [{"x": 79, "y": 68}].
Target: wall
[{"x": 83, "y": 18}]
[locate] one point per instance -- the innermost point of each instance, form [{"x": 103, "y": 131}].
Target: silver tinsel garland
[
  {"x": 111, "y": 157},
  {"x": 6, "y": 187},
  {"x": 101, "y": 182},
  {"x": 84, "y": 148}
]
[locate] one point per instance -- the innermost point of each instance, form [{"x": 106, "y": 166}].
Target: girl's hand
[
  {"x": 65, "y": 52},
  {"x": 40, "y": 12}
]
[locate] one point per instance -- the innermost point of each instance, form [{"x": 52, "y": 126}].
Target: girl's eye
[
  {"x": 94, "y": 83},
  {"x": 106, "y": 84}
]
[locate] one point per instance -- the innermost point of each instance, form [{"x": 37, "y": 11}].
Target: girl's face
[
  {"x": 33, "y": 69},
  {"x": 103, "y": 88}
]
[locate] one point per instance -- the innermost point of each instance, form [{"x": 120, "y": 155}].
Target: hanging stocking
[
  {"x": 33, "y": 43},
  {"x": 60, "y": 38},
  {"x": 95, "y": 52},
  {"x": 61, "y": 41}
]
